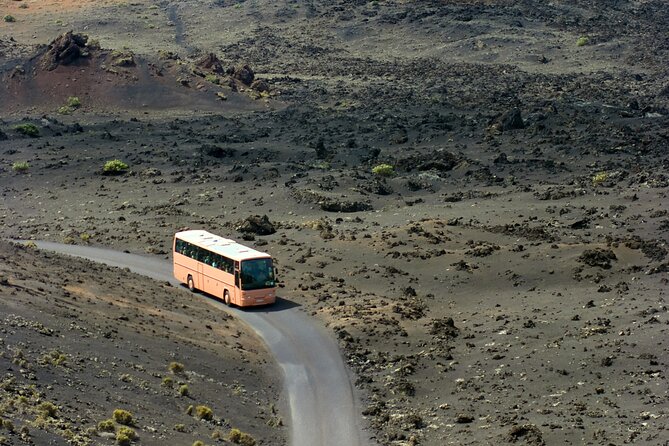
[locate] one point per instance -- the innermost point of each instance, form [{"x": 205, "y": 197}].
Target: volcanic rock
[
  {"x": 260, "y": 85},
  {"x": 255, "y": 224},
  {"x": 598, "y": 257},
  {"x": 64, "y": 50},
  {"x": 511, "y": 120},
  {"x": 244, "y": 74},
  {"x": 528, "y": 433},
  {"x": 210, "y": 62}
]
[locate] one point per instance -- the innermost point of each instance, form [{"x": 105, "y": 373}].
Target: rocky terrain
[
  {"x": 88, "y": 351},
  {"x": 471, "y": 195}
]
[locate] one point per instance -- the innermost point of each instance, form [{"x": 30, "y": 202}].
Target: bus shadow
[{"x": 281, "y": 303}]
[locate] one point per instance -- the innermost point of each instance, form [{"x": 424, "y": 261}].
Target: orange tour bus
[{"x": 236, "y": 273}]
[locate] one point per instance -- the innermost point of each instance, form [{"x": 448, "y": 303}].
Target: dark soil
[{"x": 526, "y": 210}]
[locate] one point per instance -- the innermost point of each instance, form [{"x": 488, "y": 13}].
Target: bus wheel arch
[
  {"x": 190, "y": 282},
  {"x": 226, "y": 298}
]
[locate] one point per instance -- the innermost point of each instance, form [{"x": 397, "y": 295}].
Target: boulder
[
  {"x": 598, "y": 257},
  {"x": 255, "y": 224},
  {"x": 64, "y": 50},
  {"x": 210, "y": 62},
  {"x": 260, "y": 86},
  {"x": 244, "y": 74},
  {"x": 511, "y": 120}
]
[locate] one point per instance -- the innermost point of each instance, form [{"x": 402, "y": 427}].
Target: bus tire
[
  {"x": 226, "y": 298},
  {"x": 191, "y": 284}
]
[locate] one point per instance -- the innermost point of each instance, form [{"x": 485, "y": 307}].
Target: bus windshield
[{"x": 257, "y": 274}]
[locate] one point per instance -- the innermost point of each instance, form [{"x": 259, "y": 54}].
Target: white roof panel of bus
[{"x": 214, "y": 243}]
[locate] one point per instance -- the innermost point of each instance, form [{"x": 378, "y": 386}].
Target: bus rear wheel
[
  {"x": 226, "y": 298},
  {"x": 191, "y": 284}
]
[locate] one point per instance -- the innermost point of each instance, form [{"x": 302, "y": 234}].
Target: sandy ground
[{"x": 506, "y": 283}]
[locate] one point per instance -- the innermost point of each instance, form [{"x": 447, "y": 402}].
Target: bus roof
[{"x": 214, "y": 243}]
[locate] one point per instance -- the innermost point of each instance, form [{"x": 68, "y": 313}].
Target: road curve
[{"x": 322, "y": 404}]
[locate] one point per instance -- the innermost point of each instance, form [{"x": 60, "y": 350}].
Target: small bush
[
  {"x": 9, "y": 18},
  {"x": 123, "y": 417},
  {"x": 106, "y": 426},
  {"x": 73, "y": 102},
  {"x": 204, "y": 413},
  {"x": 54, "y": 357},
  {"x": 582, "y": 41},
  {"x": 176, "y": 367},
  {"x": 213, "y": 79},
  {"x": 27, "y": 129},
  {"x": 167, "y": 382},
  {"x": 189, "y": 410},
  {"x": 48, "y": 410},
  {"x": 383, "y": 170},
  {"x": 180, "y": 427},
  {"x": 114, "y": 167},
  {"x": 125, "y": 436},
  {"x": 238, "y": 437},
  {"x": 599, "y": 178},
  {"x": 198, "y": 443},
  {"x": 8, "y": 425},
  {"x": 20, "y": 166},
  {"x": 183, "y": 390}
]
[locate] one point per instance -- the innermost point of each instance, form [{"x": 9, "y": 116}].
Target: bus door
[
  {"x": 199, "y": 280},
  {"x": 238, "y": 286}
]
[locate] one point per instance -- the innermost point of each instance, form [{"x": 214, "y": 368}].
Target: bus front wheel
[
  {"x": 226, "y": 298},
  {"x": 191, "y": 284}
]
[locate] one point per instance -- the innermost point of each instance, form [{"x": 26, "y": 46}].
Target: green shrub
[
  {"x": 176, "y": 367},
  {"x": 198, "y": 443},
  {"x": 212, "y": 78},
  {"x": 106, "y": 426},
  {"x": 8, "y": 425},
  {"x": 180, "y": 427},
  {"x": 582, "y": 41},
  {"x": 9, "y": 18},
  {"x": 238, "y": 437},
  {"x": 48, "y": 410},
  {"x": 125, "y": 436},
  {"x": 183, "y": 390},
  {"x": 27, "y": 129},
  {"x": 383, "y": 170},
  {"x": 20, "y": 166},
  {"x": 599, "y": 178},
  {"x": 204, "y": 413},
  {"x": 123, "y": 417},
  {"x": 73, "y": 102},
  {"x": 54, "y": 357},
  {"x": 114, "y": 167},
  {"x": 167, "y": 382}
]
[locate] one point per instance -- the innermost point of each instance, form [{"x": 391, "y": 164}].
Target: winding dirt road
[{"x": 322, "y": 404}]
